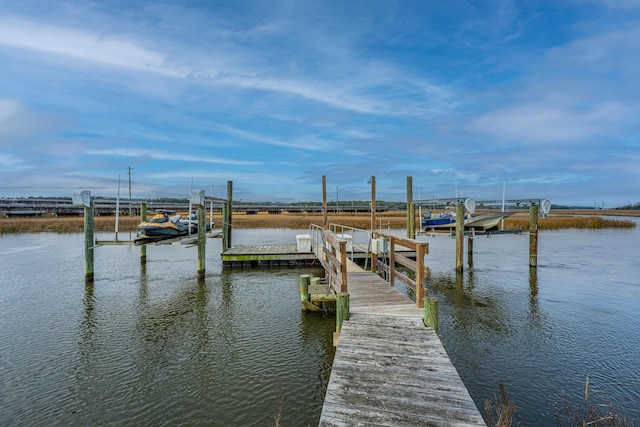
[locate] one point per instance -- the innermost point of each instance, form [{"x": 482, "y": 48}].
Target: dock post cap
[
  {"x": 81, "y": 198},
  {"x": 197, "y": 197}
]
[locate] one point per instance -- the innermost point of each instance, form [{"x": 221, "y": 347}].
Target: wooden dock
[
  {"x": 267, "y": 256},
  {"x": 246, "y": 256},
  {"x": 389, "y": 369}
]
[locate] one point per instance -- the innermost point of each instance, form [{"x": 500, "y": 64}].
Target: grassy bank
[{"x": 394, "y": 220}]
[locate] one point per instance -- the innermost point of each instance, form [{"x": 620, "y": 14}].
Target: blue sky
[{"x": 541, "y": 96}]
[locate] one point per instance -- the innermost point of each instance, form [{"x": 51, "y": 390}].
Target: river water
[{"x": 153, "y": 345}]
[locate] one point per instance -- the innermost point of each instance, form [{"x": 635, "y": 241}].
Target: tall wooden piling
[
  {"x": 325, "y": 225},
  {"x": 374, "y": 256},
  {"x": 533, "y": 235},
  {"x": 89, "y": 242},
  {"x": 411, "y": 210},
  {"x": 202, "y": 239},
  {"x": 459, "y": 237},
  {"x": 143, "y": 218},
  {"x": 227, "y": 217}
]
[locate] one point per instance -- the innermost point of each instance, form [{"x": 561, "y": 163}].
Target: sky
[{"x": 539, "y": 98}]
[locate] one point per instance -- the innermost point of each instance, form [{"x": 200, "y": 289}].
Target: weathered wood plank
[{"x": 393, "y": 371}]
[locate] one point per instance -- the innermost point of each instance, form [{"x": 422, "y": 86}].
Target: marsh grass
[
  {"x": 500, "y": 412},
  {"x": 588, "y": 413},
  {"x": 393, "y": 220},
  {"x": 521, "y": 222}
]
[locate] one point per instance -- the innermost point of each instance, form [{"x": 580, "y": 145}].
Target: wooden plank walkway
[{"x": 389, "y": 369}]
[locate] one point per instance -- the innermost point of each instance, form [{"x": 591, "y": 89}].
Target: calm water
[
  {"x": 156, "y": 346},
  {"x": 153, "y": 346},
  {"x": 542, "y": 332}
]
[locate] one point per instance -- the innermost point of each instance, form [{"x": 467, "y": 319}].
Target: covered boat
[
  {"x": 430, "y": 220},
  {"x": 162, "y": 225},
  {"x": 192, "y": 220},
  {"x": 447, "y": 221}
]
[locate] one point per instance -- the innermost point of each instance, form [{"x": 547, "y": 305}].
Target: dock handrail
[
  {"x": 331, "y": 250},
  {"x": 357, "y": 236},
  {"x": 420, "y": 248}
]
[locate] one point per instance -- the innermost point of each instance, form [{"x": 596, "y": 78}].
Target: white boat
[{"x": 481, "y": 222}]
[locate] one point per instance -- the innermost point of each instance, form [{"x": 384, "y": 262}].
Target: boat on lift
[
  {"x": 430, "y": 220},
  {"x": 192, "y": 220},
  {"x": 447, "y": 220},
  {"x": 163, "y": 225}
]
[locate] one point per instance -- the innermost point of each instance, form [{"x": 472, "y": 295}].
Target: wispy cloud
[
  {"x": 105, "y": 49},
  {"x": 546, "y": 123},
  {"x": 10, "y": 162},
  {"x": 168, "y": 155}
]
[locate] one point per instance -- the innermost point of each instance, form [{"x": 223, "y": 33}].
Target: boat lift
[
  {"x": 198, "y": 199},
  {"x": 537, "y": 207}
]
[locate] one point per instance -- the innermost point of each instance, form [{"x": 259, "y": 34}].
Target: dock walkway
[{"x": 389, "y": 369}]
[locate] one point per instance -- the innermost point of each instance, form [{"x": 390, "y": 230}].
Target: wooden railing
[
  {"x": 332, "y": 253},
  {"x": 417, "y": 266}
]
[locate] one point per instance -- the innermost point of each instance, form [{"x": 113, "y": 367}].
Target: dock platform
[
  {"x": 267, "y": 256},
  {"x": 246, "y": 256},
  {"x": 389, "y": 369}
]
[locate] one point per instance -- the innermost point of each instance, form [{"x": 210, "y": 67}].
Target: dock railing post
[
  {"x": 392, "y": 260},
  {"x": 143, "y": 218},
  {"x": 420, "y": 290},
  {"x": 459, "y": 236},
  {"x": 533, "y": 235}
]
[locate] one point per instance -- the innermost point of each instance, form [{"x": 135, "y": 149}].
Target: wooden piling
[
  {"x": 202, "y": 240},
  {"x": 143, "y": 218},
  {"x": 459, "y": 236},
  {"x": 374, "y": 256},
  {"x": 411, "y": 210},
  {"x": 89, "y": 242},
  {"x": 533, "y": 235},
  {"x": 342, "y": 309},
  {"x": 470, "y": 251},
  {"x": 325, "y": 225},
  {"x": 431, "y": 318},
  {"x": 229, "y": 222},
  {"x": 305, "y": 281}
]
